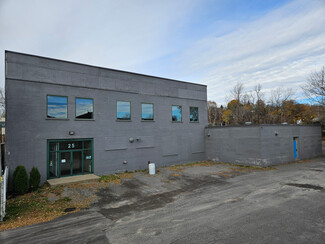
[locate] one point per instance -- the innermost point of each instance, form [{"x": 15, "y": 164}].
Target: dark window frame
[
  {"x": 75, "y": 112},
  {"x": 198, "y": 117},
  {"x": 181, "y": 114},
  {"x": 153, "y": 112},
  {"x": 121, "y": 119},
  {"x": 47, "y": 107}
]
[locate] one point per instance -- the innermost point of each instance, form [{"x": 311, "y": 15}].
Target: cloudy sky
[{"x": 273, "y": 42}]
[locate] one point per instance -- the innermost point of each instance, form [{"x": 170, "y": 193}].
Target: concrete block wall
[
  {"x": 29, "y": 79},
  {"x": 262, "y": 145}
]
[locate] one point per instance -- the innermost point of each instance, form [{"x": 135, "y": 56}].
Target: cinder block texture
[
  {"x": 29, "y": 79},
  {"x": 262, "y": 145}
]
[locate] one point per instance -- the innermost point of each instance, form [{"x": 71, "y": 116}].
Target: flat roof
[
  {"x": 94, "y": 66},
  {"x": 257, "y": 125}
]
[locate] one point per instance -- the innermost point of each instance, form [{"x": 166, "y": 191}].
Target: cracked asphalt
[{"x": 204, "y": 204}]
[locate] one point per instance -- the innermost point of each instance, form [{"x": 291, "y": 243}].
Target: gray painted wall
[
  {"x": 259, "y": 145},
  {"x": 30, "y": 78}
]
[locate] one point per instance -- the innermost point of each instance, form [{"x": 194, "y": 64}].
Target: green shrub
[
  {"x": 34, "y": 179},
  {"x": 20, "y": 181}
]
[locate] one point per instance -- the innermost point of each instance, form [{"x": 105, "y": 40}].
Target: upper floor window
[
  {"x": 147, "y": 111},
  {"x": 84, "y": 108},
  {"x": 176, "y": 113},
  {"x": 123, "y": 110},
  {"x": 194, "y": 114},
  {"x": 57, "y": 107}
]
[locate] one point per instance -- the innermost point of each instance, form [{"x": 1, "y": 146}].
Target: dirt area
[{"x": 49, "y": 203}]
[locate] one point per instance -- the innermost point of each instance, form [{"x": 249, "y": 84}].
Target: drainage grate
[{"x": 307, "y": 186}]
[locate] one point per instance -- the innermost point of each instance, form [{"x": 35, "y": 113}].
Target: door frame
[
  {"x": 71, "y": 156},
  {"x": 296, "y": 147}
]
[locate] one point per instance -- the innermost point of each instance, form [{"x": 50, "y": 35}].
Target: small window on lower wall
[
  {"x": 147, "y": 113},
  {"x": 194, "y": 114},
  {"x": 177, "y": 113},
  {"x": 123, "y": 110},
  {"x": 57, "y": 107},
  {"x": 84, "y": 108}
]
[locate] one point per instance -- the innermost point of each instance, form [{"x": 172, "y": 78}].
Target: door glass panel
[
  {"x": 53, "y": 146},
  {"x": 87, "y": 161},
  {"x": 53, "y": 164},
  {"x": 77, "y": 163},
  {"x": 65, "y": 163},
  {"x": 87, "y": 144}
]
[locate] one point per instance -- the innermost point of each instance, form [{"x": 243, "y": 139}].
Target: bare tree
[
  {"x": 278, "y": 97},
  {"x": 259, "y": 101},
  {"x": 314, "y": 88}
]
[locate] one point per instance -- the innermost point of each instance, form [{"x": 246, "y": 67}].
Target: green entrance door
[
  {"x": 69, "y": 157},
  {"x": 65, "y": 163}
]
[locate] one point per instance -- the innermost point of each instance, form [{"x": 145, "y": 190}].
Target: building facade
[
  {"x": 263, "y": 145},
  {"x": 67, "y": 118}
]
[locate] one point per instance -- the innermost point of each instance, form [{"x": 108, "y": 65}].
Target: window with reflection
[
  {"x": 176, "y": 113},
  {"x": 84, "y": 108},
  {"x": 147, "y": 111},
  {"x": 123, "y": 110},
  {"x": 194, "y": 114},
  {"x": 57, "y": 107}
]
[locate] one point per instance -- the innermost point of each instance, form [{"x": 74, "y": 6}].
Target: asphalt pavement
[{"x": 215, "y": 204}]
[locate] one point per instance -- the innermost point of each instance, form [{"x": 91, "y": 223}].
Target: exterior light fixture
[{"x": 71, "y": 133}]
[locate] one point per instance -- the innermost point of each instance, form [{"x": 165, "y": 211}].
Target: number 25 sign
[{"x": 71, "y": 145}]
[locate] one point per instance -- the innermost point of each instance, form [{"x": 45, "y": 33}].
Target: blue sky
[{"x": 217, "y": 43}]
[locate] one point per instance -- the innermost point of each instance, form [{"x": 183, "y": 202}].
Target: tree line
[{"x": 252, "y": 107}]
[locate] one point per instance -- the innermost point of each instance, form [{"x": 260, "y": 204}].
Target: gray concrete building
[
  {"x": 67, "y": 118},
  {"x": 263, "y": 145}
]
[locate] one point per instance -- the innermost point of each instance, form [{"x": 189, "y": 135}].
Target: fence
[{"x": 3, "y": 192}]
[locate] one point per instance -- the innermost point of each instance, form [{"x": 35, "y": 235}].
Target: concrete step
[{"x": 71, "y": 179}]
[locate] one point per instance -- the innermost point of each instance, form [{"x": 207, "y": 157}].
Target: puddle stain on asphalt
[
  {"x": 306, "y": 186},
  {"x": 141, "y": 202}
]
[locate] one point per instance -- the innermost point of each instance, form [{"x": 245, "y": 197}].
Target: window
[
  {"x": 123, "y": 110},
  {"x": 194, "y": 114},
  {"x": 147, "y": 111},
  {"x": 84, "y": 108},
  {"x": 57, "y": 107},
  {"x": 176, "y": 113}
]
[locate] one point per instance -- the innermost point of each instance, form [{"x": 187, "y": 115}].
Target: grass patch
[
  {"x": 181, "y": 167},
  {"x": 174, "y": 174},
  {"x": 115, "y": 178},
  {"x": 251, "y": 167}
]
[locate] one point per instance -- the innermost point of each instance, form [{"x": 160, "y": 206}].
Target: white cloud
[
  {"x": 279, "y": 49},
  {"x": 115, "y": 34}
]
